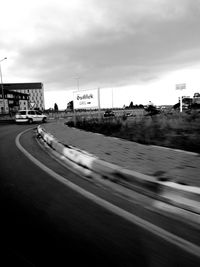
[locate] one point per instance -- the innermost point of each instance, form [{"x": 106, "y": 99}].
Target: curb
[
  {"x": 182, "y": 196},
  {"x": 7, "y": 121}
]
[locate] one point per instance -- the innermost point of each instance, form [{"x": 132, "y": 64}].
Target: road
[{"x": 46, "y": 223}]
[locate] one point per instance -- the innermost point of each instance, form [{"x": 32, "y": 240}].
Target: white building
[{"x": 23, "y": 104}]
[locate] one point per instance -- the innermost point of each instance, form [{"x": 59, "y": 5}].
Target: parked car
[
  {"x": 30, "y": 116},
  {"x": 129, "y": 114},
  {"x": 109, "y": 113}
]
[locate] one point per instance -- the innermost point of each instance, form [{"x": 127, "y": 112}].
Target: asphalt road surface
[{"x": 46, "y": 223}]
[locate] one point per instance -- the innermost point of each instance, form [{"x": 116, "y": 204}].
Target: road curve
[{"x": 44, "y": 223}]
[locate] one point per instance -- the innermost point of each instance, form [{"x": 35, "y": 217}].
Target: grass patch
[{"x": 176, "y": 130}]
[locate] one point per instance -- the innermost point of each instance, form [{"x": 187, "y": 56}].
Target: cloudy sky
[{"x": 137, "y": 49}]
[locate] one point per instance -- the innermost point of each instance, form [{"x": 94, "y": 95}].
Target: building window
[{"x": 9, "y": 96}]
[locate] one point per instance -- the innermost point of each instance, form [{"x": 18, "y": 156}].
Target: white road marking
[
  {"x": 176, "y": 150},
  {"x": 173, "y": 239}
]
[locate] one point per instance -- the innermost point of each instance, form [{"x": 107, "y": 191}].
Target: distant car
[
  {"x": 109, "y": 113},
  {"x": 129, "y": 114},
  {"x": 30, "y": 116}
]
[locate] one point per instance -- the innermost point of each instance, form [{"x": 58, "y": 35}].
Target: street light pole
[
  {"x": 112, "y": 98},
  {"x": 77, "y": 78},
  {"x": 2, "y": 89}
]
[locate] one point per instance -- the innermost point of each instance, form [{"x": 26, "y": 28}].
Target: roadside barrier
[{"x": 185, "y": 197}]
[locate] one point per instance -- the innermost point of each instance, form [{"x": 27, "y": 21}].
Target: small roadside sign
[
  {"x": 32, "y": 104},
  {"x": 181, "y": 86}
]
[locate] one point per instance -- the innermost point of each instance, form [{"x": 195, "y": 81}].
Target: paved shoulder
[{"x": 163, "y": 163}]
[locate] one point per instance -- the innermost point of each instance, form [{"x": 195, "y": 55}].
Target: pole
[
  {"x": 78, "y": 83},
  {"x": 181, "y": 87},
  {"x": 74, "y": 110},
  {"x": 181, "y": 104},
  {"x": 77, "y": 79},
  {"x": 99, "y": 104},
  {"x": 112, "y": 98},
  {"x": 2, "y": 89},
  {"x": 74, "y": 117}
]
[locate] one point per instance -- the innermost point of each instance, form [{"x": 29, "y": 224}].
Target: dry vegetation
[{"x": 175, "y": 130}]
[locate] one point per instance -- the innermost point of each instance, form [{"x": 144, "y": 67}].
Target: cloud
[{"x": 105, "y": 43}]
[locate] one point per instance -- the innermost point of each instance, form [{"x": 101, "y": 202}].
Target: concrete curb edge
[{"x": 186, "y": 197}]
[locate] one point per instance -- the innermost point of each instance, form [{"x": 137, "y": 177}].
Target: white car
[{"x": 30, "y": 116}]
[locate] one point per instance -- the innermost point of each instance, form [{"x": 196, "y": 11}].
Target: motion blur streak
[{"x": 175, "y": 240}]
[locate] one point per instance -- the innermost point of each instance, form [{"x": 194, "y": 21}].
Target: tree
[
  {"x": 141, "y": 106},
  {"x": 55, "y": 107},
  {"x": 176, "y": 106},
  {"x": 196, "y": 95},
  {"x": 152, "y": 110},
  {"x": 70, "y": 105},
  {"x": 131, "y": 104}
]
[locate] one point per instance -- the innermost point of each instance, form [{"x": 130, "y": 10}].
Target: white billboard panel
[
  {"x": 86, "y": 99},
  {"x": 180, "y": 86}
]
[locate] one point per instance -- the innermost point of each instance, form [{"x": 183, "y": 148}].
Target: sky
[{"x": 133, "y": 50}]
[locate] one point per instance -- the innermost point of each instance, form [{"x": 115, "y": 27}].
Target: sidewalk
[
  {"x": 177, "y": 166},
  {"x": 6, "y": 119}
]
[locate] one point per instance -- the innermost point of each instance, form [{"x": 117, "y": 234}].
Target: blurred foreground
[{"x": 165, "y": 164}]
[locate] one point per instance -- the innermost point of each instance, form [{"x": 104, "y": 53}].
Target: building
[
  {"x": 196, "y": 98},
  {"x": 35, "y": 91},
  {"x": 13, "y": 101},
  {"x": 187, "y": 100}
]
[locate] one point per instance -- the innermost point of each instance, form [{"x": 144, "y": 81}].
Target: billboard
[
  {"x": 180, "y": 86},
  {"x": 86, "y": 99}
]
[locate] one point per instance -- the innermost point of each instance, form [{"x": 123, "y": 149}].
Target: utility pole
[
  {"x": 2, "y": 89},
  {"x": 99, "y": 104},
  {"x": 112, "y": 98},
  {"x": 77, "y": 79}
]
